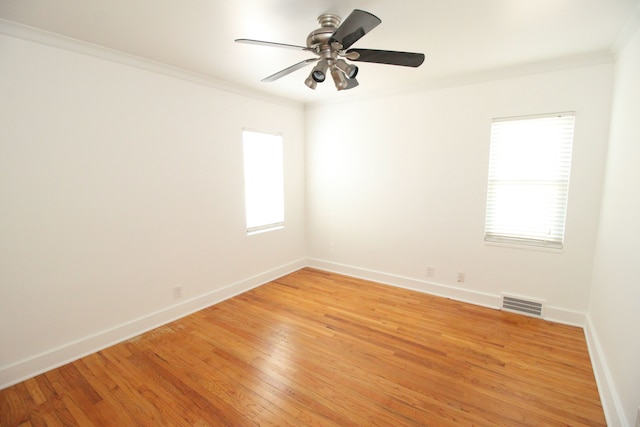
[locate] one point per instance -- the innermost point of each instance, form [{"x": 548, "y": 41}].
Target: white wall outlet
[
  {"x": 460, "y": 277},
  {"x": 430, "y": 270},
  {"x": 177, "y": 292}
]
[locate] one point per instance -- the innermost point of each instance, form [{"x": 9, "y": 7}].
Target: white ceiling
[{"x": 461, "y": 38}]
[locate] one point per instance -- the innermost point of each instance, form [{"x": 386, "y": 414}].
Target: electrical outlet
[
  {"x": 177, "y": 292},
  {"x": 430, "y": 270},
  {"x": 460, "y": 277}
]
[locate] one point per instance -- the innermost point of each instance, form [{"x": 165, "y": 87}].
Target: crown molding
[
  {"x": 627, "y": 32},
  {"x": 25, "y": 32},
  {"x": 485, "y": 76}
]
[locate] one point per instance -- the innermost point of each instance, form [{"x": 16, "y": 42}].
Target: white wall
[
  {"x": 615, "y": 313},
  {"x": 397, "y": 183},
  {"x": 116, "y": 184}
]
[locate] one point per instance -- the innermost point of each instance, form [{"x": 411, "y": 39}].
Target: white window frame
[
  {"x": 263, "y": 162},
  {"x": 528, "y": 186}
]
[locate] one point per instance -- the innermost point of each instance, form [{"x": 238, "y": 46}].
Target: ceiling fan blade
[
  {"x": 352, "y": 29},
  {"x": 351, "y": 83},
  {"x": 406, "y": 59},
  {"x": 273, "y": 44},
  {"x": 289, "y": 70}
]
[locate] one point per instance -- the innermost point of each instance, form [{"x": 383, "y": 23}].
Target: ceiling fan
[{"x": 331, "y": 43}]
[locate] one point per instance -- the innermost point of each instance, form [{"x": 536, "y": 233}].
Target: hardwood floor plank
[
  {"x": 13, "y": 409},
  {"x": 319, "y": 349},
  {"x": 98, "y": 412},
  {"x": 266, "y": 393}
]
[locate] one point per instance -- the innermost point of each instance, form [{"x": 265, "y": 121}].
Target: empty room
[{"x": 327, "y": 213}]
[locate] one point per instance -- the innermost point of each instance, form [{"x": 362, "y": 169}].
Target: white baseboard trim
[
  {"x": 552, "y": 314},
  {"x": 564, "y": 316},
  {"x": 69, "y": 352},
  {"x": 613, "y": 410},
  {"x": 610, "y": 402},
  {"x": 28, "y": 368},
  {"x": 432, "y": 288}
]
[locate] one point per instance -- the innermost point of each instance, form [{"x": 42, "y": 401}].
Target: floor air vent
[{"x": 523, "y": 306}]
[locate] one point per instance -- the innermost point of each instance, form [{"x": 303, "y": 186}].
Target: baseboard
[
  {"x": 69, "y": 352},
  {"x": 613, "y": 410},
  {"x": 552, "y": 314},
  {"x": 565, "y": 316},
  {"x": 432, "y": 288},
  {"x": 610, "y": 402}
]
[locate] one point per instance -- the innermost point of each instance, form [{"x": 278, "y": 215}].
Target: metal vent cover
[{"x": 527, "y": 306}]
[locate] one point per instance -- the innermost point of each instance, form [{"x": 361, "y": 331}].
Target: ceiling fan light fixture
[
  {"x": 310, "y": 82},
  {"x": 319, "y": 72},
  {"x": 349, "y": 70},
  {"x": 318, "y": 76},
  {"x": 339, "y": 78}
]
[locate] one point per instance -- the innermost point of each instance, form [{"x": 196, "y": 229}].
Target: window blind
[{"x": 529, "y": 168}]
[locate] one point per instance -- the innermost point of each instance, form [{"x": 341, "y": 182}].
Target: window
[
  {"x": 263, "y": 181},
  {"x": 529, "y": 167}
]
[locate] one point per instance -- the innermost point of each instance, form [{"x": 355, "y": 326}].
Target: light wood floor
[{"x": 314, "y": 349}]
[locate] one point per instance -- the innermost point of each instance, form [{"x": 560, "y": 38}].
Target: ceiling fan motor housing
[{"x": 320, "y": 37}]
